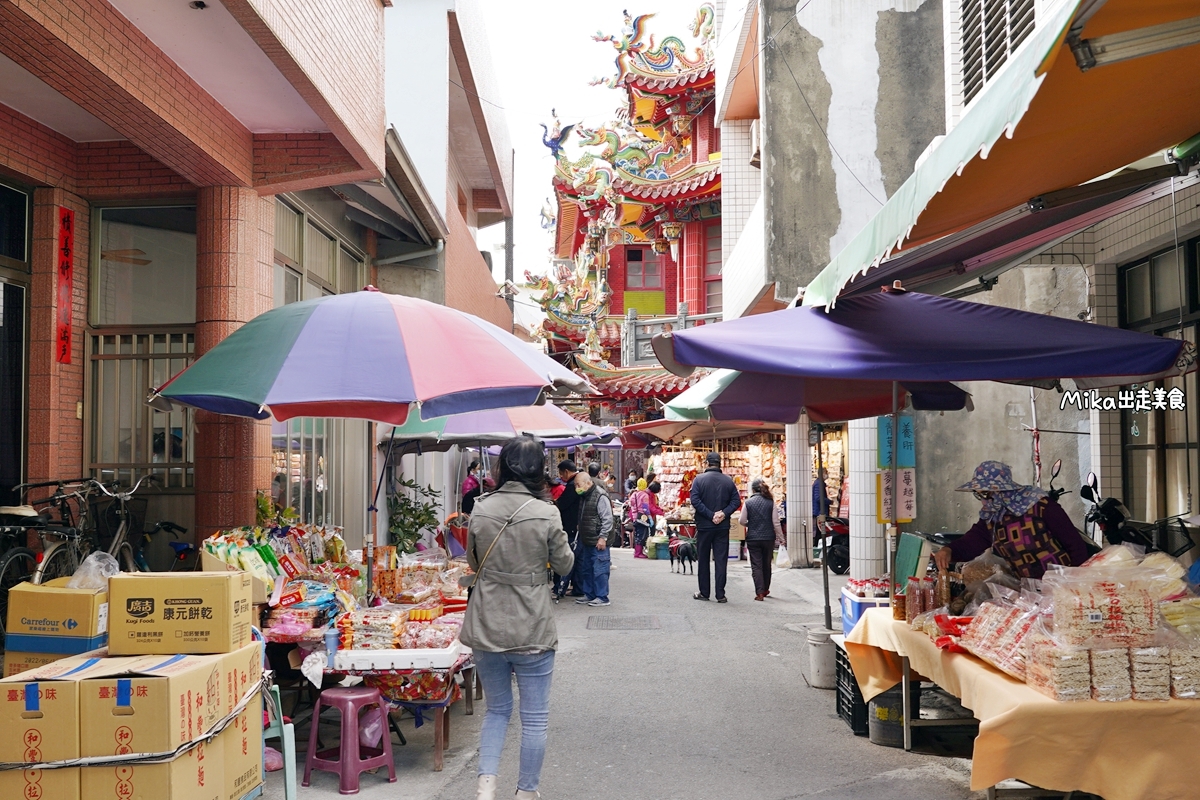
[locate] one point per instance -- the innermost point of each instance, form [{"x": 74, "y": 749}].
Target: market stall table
[
  {"x": 1122, "y": 751},
  {"x": 358, "y": 663}
]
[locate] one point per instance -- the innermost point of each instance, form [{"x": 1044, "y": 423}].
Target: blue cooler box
[{"x": 853, "y": 607}]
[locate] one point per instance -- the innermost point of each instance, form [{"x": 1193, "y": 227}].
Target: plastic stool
[{"x": 350, "y": 759}]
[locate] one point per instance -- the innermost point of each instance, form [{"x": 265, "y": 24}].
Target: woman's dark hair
[
  {"x": 474, "y": 463},
  {"x": 523, "y": 460},
  {"x": 759, "y": 486},
  {"x": 655, "y": 487}
]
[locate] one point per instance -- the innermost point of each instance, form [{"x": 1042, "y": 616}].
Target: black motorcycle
[{"x": 1110, "y": 516}]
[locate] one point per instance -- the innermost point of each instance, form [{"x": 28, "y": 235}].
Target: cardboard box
[
  {"x": 153, "y": 705},
  {"x": 15, "y": 662},
  {"x": 170, "y": 613},
  {"x": 39, "y": 717},
  {"x": 260, "y": 591},
  {"x": 243, "y": 739},
  {"x": 53, "y": 619}
]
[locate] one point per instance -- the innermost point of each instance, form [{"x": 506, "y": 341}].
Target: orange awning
[{"x": 1041, "y": 125}]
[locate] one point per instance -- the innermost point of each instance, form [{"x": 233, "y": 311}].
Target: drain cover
[{"x": 614, "y": 623}]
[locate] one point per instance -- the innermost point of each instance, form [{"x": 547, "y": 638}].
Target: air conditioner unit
[{"x": 756, "y": 143}]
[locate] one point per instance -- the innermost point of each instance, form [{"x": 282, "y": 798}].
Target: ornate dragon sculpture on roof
[{"x": 639, "y": 57}]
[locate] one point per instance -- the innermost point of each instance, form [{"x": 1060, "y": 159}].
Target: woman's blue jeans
[{"x": 533, "y": 682}]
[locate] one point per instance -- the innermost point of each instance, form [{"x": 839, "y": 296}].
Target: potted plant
[{"x": 412, "y": 510}]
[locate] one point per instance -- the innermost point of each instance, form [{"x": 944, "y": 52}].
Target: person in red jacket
[{"x": 1021, "y": 524}]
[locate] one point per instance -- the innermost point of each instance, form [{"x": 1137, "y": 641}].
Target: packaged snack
[
  {"x": 1103, "y": 608},
  {"x": 997, "y": 635},
  {"x": 1057, "y": 671},
  {"x": 1111, "y": 681},
  {"x": 914, "y": 604},
  {"x": 1185, "y": 672},
  {"x": 1150, "y": 673}
]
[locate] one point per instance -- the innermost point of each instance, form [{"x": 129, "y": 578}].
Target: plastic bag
[
  {"x": 1058, "y": 671},
  {"x": 1111, "y": 681},
  {"x": 272, "y": 759},
  {"x": 370, "y": 728},
  {"x": 94, "y": 572},
  {"x": 1104, "y": 607},
  {"x": 980, "y": 569},
  {"x": 1123, "y": 554},
  {"x": 998, "y": 632},
  {"x": 782, "y": 559},
  {"x": 1150, "y": 670}
]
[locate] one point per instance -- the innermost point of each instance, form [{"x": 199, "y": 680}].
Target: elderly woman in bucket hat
[{"x": 1021, "y": 524}]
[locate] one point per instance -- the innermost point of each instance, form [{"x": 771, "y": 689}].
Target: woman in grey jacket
[{"x": 509, "y": 625}]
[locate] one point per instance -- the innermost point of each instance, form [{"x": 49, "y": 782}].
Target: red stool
[{"x": 350, "y": 759}]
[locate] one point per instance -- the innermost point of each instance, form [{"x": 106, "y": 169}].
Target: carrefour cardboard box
[
  {"x": 170, "y": 613},
  {"x": 243, "y": 739},
  {"x": 39, "y": 721},
  {"x": 50, "y": 621},
  {"x": 154, "y": 705}
]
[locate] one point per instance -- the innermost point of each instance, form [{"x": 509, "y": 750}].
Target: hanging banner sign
[
  {"x": 906, "y": 451},
  {"x": 907, "y": 478},
  {"x": 66, "y": 285}
]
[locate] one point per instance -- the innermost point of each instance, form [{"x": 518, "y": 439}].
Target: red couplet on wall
[{"x": 66, "y": 276}]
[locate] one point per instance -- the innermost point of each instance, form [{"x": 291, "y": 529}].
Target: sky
[{"x": 544, "y": 55}]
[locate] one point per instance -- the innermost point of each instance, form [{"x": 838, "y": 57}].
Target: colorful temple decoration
[{"x": 637, "y": 207}]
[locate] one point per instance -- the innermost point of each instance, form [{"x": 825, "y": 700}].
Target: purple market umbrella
[{"x": 908, "y": 336}]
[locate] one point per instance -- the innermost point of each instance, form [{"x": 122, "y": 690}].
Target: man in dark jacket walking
[
  {"x": 568, "y": 508},
  {"x": 714, "y": 498}
]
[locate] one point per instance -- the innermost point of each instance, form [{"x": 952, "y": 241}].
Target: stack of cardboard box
[{"x": 179, "y": 661}]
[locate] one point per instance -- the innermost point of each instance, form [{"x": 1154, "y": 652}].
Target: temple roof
[
  {"x": 640, "y": 62},
  {"x": 633, "y": 382}
]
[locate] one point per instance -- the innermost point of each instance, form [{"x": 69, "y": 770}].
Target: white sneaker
[
  {"x": 599, "y": 602},
  {"x": 487, "y": 787}
]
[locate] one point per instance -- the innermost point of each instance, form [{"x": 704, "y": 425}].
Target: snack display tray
[{"x": 418, "y": 658}]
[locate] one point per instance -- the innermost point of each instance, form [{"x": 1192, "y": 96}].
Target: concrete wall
[
  {"x": 417, "y": 33},
  {"x": 854, "y": 93},
  {"x": 951, "y": 445}
]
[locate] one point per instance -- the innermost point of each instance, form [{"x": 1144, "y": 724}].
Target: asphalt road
[{"x": 711, "y": 704}]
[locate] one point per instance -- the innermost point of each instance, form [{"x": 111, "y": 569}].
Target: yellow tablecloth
[{"x": 1121, "y": 751}]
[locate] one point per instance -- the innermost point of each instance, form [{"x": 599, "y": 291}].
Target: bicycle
[
  {"x": 117, "y": 515},
  {"x": 19, "y": 563},
  {"x": 63, "y": 557}
]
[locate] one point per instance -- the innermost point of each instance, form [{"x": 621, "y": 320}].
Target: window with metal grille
[
  {"x": 991, "y": 30},
  {"x": 128, "y": 438}
]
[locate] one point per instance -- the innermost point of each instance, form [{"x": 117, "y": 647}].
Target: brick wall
[
  {"x": 469, "y": 284},
  {"x": 134, "y": 88},
  {"x": 293, "y": 162},
  {"x": 234, "y": 256},
  {"x": 55, "y": 436},
  {"x": 332, "y": 52},
  {"x": 96, "y": 171}
]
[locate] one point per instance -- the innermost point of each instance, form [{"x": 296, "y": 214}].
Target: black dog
[{"x": 684, "y": 551}]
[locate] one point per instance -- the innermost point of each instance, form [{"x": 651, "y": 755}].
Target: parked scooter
[
  {"x": 833, "y": 537},
  {"x": 1110, "y": 516}
]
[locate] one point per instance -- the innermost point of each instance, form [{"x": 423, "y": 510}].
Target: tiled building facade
[{"x": 168, "y": 130}]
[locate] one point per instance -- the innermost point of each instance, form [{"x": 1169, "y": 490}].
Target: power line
[{"x": 481, "y": 97}]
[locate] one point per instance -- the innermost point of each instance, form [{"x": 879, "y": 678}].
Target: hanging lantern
[{"x": 673, "y": 231}]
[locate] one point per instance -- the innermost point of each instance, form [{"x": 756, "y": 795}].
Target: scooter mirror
[
  {"x": 1086, "y": 493},
  {"x": 1093, "y": 482},
  {"x": 1057, "y": 468}
]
